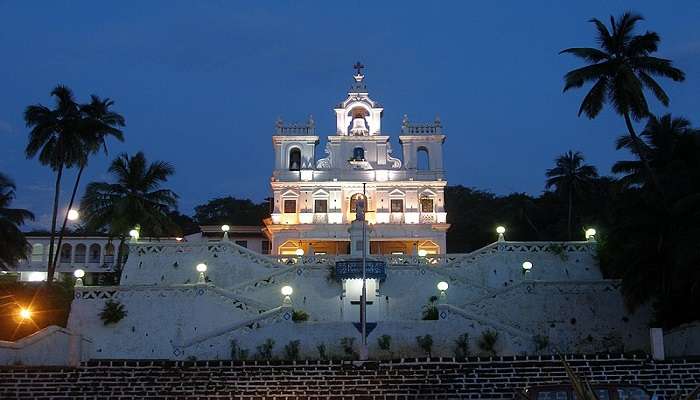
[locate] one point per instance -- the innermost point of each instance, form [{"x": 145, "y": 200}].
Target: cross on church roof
[{"x": 358, "y": 66}]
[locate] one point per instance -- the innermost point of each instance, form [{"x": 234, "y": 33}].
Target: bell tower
[{"x": 358, "y": 115}]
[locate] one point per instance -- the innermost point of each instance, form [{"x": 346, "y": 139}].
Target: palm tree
[
  {"x": 135, "y": 199},
  {"x": 622, "y": 68},
  {"x": 13, "y": 245},
  {"x": 98, "y": 122},
  {"x": 570, "y": 177},
  {"x": 659, "y": 143},
  {"x": 55, "y": 137}
]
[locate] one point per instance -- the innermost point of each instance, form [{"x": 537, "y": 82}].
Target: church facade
[{"x": 315, "y": 200}]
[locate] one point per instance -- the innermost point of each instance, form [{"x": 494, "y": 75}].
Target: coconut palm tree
[
  {"x": 98, "y": 122},
  {"x": 13, "y": 245},
  {"x": 55, "y": 138},
  {"x": 621, "y": 69},
  {"x": 570, "y": 177},
  {"x": 659, "y": 143},
  {"x": 135, "y": 199}
]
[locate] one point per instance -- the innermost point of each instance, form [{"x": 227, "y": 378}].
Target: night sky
[{"x": 202, "y": 83}]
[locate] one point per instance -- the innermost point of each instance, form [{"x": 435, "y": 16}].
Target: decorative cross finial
[{"x": 358, "y": 66}]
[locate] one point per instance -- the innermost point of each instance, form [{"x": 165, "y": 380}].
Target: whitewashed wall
[{"x": 52, "y": 345}]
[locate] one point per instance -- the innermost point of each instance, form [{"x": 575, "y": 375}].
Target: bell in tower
[{"x": 359, "y": 124}]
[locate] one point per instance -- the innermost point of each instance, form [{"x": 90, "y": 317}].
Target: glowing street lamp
[
  {"x": 25, "y": 313},
  {"x": 299, "y": 252},
  {"x": 442, "y": 287},
  {"x": 225, "y": 228},
  {"x": 134, "y": 234},
  {"x": 73, "y": 215},
  {"x": 590, "y": 234},
  {"x": 422, "y": 253},
  {"x": 527, "y": 266},
  {"x": 501, "y": 230},
  {"x": 79, "y": 274},
  {"x": 201, "y": 268},
  {"x": 287, "y": 292}
]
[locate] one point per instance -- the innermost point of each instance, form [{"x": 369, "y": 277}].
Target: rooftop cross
[{"x": 358, "y": 66}]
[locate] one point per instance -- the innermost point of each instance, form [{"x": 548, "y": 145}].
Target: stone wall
[
  {"x": 406, "y": 379},
  {"x": 52, "y": 345}
]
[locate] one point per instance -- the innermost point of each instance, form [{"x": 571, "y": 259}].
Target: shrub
[
  {"x": 348, "y": 344},
  {"x": 541, "y": 342},
  {"x": 291, "y": 350},
  {"x": 430, "y": 311},
  {"x": 113, "y": 312},
  {"x": 237, "y": 353},
  {"x": 462, "y": 346},
  {"x": 426, "y": 344},
  {"x": 487, "y": 341},
  {"x": 384, "y": 343},
  {"x": 299, "y": 316},
  {"x": 264, "y": 351},
  {"x": 322, "y": 351}
]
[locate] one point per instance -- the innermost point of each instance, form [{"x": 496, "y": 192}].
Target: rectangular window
[
  {"x": 426, "y": 205},
  {"x": 396, "y": 205},
  {"x": 266, "y": 247},
  {"x": 290, "y": 206},
  {"x": 321, "y": 206},
  {"x": 242, "y": 243}
]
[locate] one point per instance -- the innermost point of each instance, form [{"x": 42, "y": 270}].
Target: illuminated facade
[{"x": 315, "y": 199}]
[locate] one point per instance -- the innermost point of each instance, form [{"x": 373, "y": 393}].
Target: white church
[
  {"x": 204, "y": 297},
  {"x": 315, "y": 200}
]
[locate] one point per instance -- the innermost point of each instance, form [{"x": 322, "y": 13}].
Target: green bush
[
  {"x": 237, "y": 353},
  {"x": 291, "y": 350},
  {"x": 264, "y": 351},
  {"x": 322, "y": 351},
  {"x": 348, "y": 344},
  {"x": 430, "y": 311},
  {"x": 384, "y": 343},
  {"x": 487, "y": 341},
  {"x": 541, "y": 342},
  {"x": 113, "y": 312},
  {"x": 426, "y": 344},
  {"x": 462, "y": 346},
  {"x": 299, "y": 316}
]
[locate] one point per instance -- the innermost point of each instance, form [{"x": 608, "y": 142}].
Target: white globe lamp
[
  {"x": 79, "y": 274},
  {"x": 287, "y": 292},
  {"x": 201, "y": 268},
  {"x": 73, "y": 215},
  {"x": 527, "y": 266},
  {"x": 590, "y": 234},
  {"x": 501, "y": 230}
]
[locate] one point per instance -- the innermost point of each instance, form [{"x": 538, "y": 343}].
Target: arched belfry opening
[
  {"x": 358, "y": 125},
  {"x": 358, "y": 154},
  {"x": 295, "y": 159},
  {"x": 423, "y": 159}
]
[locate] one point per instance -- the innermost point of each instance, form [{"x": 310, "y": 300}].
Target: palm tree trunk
[
  {"x": 70, "y": 205},
  {"x": 636, "y": 142},
  {"x": 568, "y": 223},
  {"x": 120, "y": 257},
  {"x": 51, "y": 266}
]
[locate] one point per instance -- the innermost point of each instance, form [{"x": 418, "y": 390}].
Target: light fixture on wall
[
  {"x": 442, "y": 287},
  {"x": 423, "y": 253},
  {"x": 201, "y": 268},
  {"x": 590, "y": 234},
  {"x": 134, "y": 234},
  {"x": 287, "y": 292},
  {"x": 501, "y": 230},
  {"x": 225, "y": 228},
  {"x": 527, "y": 266}
]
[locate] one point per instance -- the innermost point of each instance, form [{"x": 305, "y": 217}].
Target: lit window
[
  {"x": 426, "y": 205},
  {"x": 321, "y": 206},
  {"x": 396, "y": 205},
  {"x": 290, "y": 206}
]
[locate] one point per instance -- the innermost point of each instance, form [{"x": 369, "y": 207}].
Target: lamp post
[
  {"x": 364, "y": 351},
  {"x": 79, "y": 274},
  {"x": 501, "y": 230},
  {"x": 225, "y": 228},
  {"x": 590, "y": 234},
  {"x": 134, "y": 234},
  {"x": 287, "y": 292},
  {"x": 527, "y": 266},
  {"x": 442, "y": 287},
  {"x": 201, "y": 268}
]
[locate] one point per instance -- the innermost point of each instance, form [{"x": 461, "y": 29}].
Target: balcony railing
[{"x": 320, "y": 218}]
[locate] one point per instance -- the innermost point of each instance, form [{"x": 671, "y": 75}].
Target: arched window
[
  {"x": 358, "y": 154},
  {"x": 80, "y": 251},
  {"x": 66, "y": 253},
  {"x": 353, "y": 201},
  {"x": 94, "y": 255},
  {"x": 295, "y": 159},
  {"x": 109, "y": 254},
  {"x": 423, "y": 161},
  {"x": 37, "y": 252}
]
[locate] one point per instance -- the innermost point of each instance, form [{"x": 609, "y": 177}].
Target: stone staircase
[{"x": 407, "y": 379}]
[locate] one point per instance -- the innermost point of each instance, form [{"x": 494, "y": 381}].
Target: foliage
[
  {"x": 291, "y": 350},
  {"x": 487, "y": 341},
  {"x": 430, "y": 310},
  {"x": 300, "y": 316},
  {"x": 348, "y": 345},
  {"x": 238, "y": 353},
  {"x": 426, "y": 344},
  {"x": 541, "y": 342},
  {"x": 232, "y": 211},
  {"x": 13, "y": 244},
  {"x": 570, "y": 177},
  {"x": 322, "y": 352},
  {"x": 264, "y": 351},
  {"x": 559, "y": 250},
  {"x": 112, "y": 312},
  {"x": 52, "y": 304},
  {"x": 462, "y": 346},
  {"x": 384, "y": 343}
]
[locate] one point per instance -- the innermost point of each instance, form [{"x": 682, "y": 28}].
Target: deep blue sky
[{"x": 202, "y": 83}]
